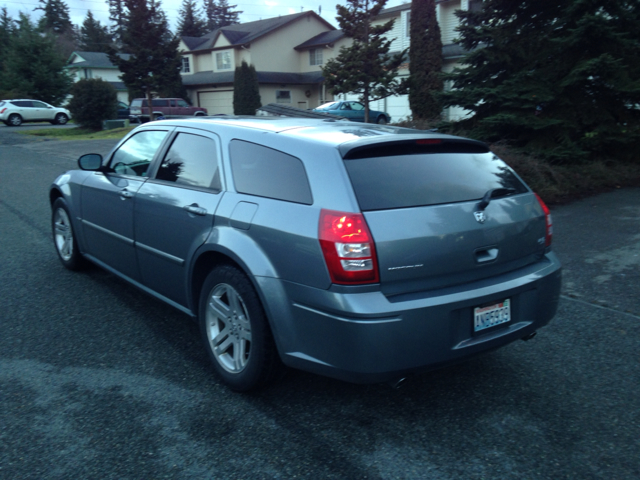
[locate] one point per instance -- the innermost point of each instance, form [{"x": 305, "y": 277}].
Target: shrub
[{"x": 94, "y": 101}]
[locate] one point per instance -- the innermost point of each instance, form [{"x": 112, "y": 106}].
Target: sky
[{"x": 252, "y": 9}]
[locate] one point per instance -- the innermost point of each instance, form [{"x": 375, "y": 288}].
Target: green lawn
[{"x": 78, "y": 133}]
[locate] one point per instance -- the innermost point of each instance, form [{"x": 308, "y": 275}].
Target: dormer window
[
  {"x": 223, "y": 60},
  {"x": 315, "y": 56}
]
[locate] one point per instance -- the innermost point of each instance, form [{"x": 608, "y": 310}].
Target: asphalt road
[{"x": 99, "y": 381}]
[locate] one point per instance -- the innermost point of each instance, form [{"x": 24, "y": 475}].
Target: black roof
[{"x": 244, "y": 33}]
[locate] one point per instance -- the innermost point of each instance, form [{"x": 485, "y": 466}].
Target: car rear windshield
[{"x": 421, "y": 179}]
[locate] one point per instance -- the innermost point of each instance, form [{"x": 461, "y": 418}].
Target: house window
[
  {"x": 283, "y": 96},
  {"x": 407, "y": 29},
  {"x": 223, "y": 61},
  {"x": 88, "y": 73},
  {"x": 185, "y": 65},
  {"x": 315, "y": 56}
]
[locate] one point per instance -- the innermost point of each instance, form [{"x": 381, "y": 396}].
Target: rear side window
[
  {"x": 160, "y": 103},
  {"x": 266, "y": 172},
  {"x": 420, "y": 179},
  {"x": 192, "y": 161}
]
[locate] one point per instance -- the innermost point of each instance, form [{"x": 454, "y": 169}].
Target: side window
[
  {"x": 192, "y": 160},
  {"x": 22, "y": 103},
  {"x": 39, "y": 104},
  {"x": 357, "y": 106},
  {"x": 182, "y": 103},
  {"x": 265, "y": 172},
  {"x": 134, "y": 156}
]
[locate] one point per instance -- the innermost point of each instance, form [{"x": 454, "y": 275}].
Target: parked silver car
[
  {"x": 15, "y": 112},
  {"x": 361, "y": 252}
]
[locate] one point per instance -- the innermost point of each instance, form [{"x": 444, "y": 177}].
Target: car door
[
  {"x": 108, "y": 199},
  {"x": 42, "y": 111},
  {"x": 357, "y": 111},
  {"x": 174, "y": 211},
  {"x": 25, "y": 109}
]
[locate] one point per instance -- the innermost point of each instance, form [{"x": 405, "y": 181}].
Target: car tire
[
  {"x": 64, "y": 238},
  {"x": 61, "y": 119},
  {"x": 236, "y": 332},
  {"x": 381, "y": 120},
  {"x": 14, "y": 120},
  {"x": 200, "y": 114}
]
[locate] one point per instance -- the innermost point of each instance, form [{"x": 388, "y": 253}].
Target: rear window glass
[
  {"x": 413, "y": 180},
  {"x": 266, "y": 172}
]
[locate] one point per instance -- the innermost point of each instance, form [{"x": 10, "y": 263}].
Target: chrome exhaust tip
[
  {"x": 530, "y": 336},
  {"x": 397, "y": 383}
]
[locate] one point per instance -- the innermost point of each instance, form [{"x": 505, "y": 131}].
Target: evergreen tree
[
  {"x": 366, "y": 67},
  {"x": 7, "y": 25},
  {"x": 220, "y": 14},
  {"x": 561, "y": 77},
  {"x": 246, "y": 91},
  {"x": 93, "y": 36},
  {"x": 155, "y": 63},
  {"x": 116, "y": 15},
  {"x": 425, "y": 61},
  {"x": 33, "y": 65},
  {"x": 191, "y": 23},
  {"x": 55, "y": 17}
]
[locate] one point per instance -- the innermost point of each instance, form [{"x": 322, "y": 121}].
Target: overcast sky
[{"x": 252, "y": 9}]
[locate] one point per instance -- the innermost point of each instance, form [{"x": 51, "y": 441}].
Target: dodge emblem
[{"x": 480, "y": 216}]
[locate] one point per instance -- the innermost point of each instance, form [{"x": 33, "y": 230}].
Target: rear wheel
[
  {"x": 61, "y": 119},
  {"x": 236, "y": 332},
  {"x": 14, "y": 120},
  {"x": 381, "y": 120},
  {"x": 64, "y": 238}
]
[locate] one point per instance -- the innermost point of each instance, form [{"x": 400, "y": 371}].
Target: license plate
[{"x": 492, "y": 315}]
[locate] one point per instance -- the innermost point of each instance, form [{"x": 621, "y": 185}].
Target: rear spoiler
[{"x": 424, "y": 145}]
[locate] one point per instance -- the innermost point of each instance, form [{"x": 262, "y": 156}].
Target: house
[
  {"x": 97, "y": 65},
  {"x": 452, "y": 53},
  {"x": 287, "y": 53}
]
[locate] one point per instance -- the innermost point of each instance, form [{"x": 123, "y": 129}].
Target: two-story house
[
  {"x": 287, "y": 53},
  {"x": 97, "y": 65},
  {"x": 398, "y": 106}
]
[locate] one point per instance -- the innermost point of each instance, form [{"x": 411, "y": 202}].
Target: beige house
[
  {"x": 97, "y": 65},
  {"x": 287, "y": 53},
  {"x": 398, "y": 106}
]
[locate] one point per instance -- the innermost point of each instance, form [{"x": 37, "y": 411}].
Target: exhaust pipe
[
  {"x": 530, "y": 336},
  {"x": 397, "y": 383}
]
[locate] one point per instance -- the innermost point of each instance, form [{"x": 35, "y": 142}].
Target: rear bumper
[{"x": 368, "y": 338}]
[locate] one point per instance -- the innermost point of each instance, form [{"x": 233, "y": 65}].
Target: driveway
[{"x": 99, "y": 381}]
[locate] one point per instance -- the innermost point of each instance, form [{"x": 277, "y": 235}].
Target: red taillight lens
[
  {"x": 348, "y": 247},
  {"x": 2, "y": 111},
  {"x": 549, "y": 223}
]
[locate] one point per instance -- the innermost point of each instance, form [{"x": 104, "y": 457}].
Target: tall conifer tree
[
  {"x": 366, "y": 67},
  {"x": 155, "y": 63},
  {"x": 93, "y": 36},
  {"x": 190, "y": 22},
  {"x": 425, "y": 61},
  {"x": 246, "y": 91},
  {"x": 558, "y": 77}
]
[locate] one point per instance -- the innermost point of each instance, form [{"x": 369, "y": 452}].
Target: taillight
[
  {"x": 348, "y": 247},
  {"x": 3, "y": 110},
  {"x": 548, "y": 222}
]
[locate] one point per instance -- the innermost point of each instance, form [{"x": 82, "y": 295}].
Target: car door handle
[
  {"x": 124, "y": 194},
  {"x": 195, "y": 209}
]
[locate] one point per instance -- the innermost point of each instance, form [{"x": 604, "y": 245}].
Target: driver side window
[{"x": 134, "y": 156}]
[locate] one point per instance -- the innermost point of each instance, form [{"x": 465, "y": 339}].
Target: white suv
[{"x": 14, "y": 112}]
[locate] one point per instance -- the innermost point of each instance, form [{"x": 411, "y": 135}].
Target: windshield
[{"x": 328, "y": 106}]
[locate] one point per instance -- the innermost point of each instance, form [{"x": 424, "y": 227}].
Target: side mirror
[{"x": 91, "y": 162}]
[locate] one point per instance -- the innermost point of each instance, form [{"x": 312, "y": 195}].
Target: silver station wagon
[{"x": 362, "y": 252}]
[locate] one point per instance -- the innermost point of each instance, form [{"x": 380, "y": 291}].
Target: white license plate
[{"x": 492, "y": 315}]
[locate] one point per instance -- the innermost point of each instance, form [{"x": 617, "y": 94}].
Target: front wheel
[
  {"x": 61, "y": 119},
  {"x": 64, "y": 238},
  {"x": 236, "y": 332}
]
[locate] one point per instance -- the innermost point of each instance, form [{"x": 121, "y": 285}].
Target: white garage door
[{"x": 217, "y": 102}]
